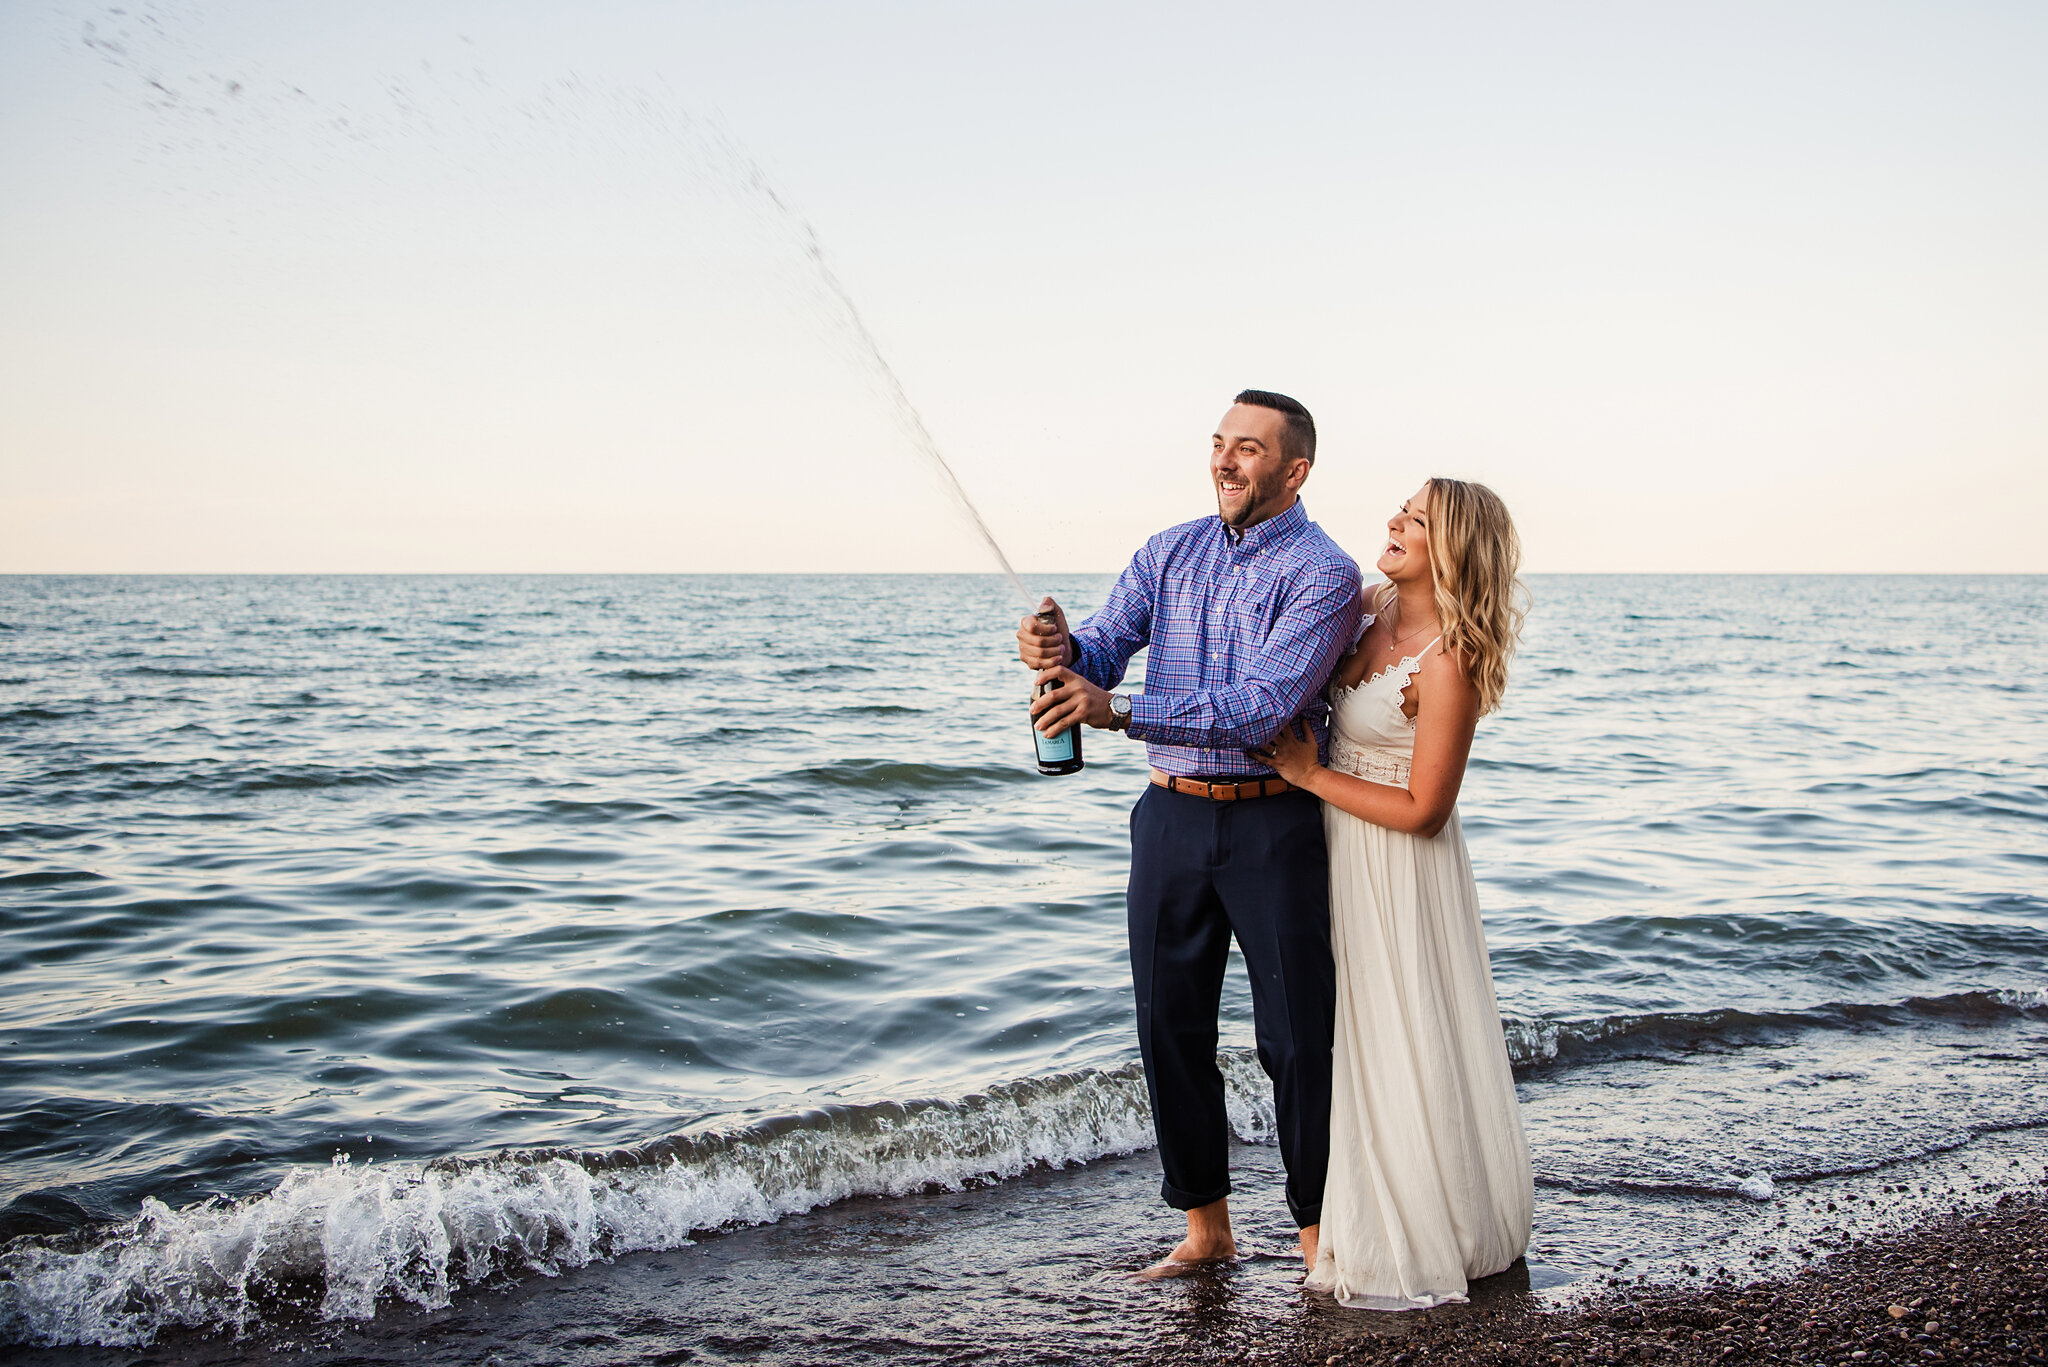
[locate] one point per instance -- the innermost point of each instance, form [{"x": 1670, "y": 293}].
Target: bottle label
[{"x": 1055, "y": 749}]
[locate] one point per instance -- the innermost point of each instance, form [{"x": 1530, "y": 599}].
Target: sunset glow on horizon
[{"x": 469, "y": 288}]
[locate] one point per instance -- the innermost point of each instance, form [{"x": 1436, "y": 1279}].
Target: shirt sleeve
[
  {"x": 1121, "y": 627},
  {"x": 1290, "y": 667}
]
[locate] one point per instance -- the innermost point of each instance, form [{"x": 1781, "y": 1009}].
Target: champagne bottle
[{"x": 1059, "y": 754}]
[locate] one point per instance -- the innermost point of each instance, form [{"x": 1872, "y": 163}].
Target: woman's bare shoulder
[{"x": 1444, "y": 680}]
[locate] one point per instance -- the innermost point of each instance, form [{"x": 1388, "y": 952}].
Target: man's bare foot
[
  {"x": 1209, "y": 1242},
  {"x": 1193, "y": 1250},
  {"x": 1311, "y": 1240}
]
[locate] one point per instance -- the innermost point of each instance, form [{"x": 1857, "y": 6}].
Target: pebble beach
[{"x": 1968, "y": 1286}]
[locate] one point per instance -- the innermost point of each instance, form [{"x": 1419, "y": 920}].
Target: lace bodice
[{"x": 1369, "y": 734}]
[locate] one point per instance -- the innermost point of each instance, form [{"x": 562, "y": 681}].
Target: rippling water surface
[{"x": 585, "y": 914}]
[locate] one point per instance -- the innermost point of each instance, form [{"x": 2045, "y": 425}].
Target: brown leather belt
[{"x": 1222, "y": 792}]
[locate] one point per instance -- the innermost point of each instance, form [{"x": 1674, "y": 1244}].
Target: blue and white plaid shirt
[{"x": 1244, "y": 632}]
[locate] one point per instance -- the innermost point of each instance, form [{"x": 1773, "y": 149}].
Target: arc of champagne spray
[
  {"x": 748, "y": 173},
  {"x": 907, "y": 416}
]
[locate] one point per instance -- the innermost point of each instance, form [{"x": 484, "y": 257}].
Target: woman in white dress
[{"x": 1429, "y": 1181}]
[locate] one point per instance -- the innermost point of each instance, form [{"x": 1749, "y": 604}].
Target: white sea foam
[
  {"x": 344, "y": 1239},
  {"x": 2023, "y": 998},
  {"x": 1540, "y": 1039}
]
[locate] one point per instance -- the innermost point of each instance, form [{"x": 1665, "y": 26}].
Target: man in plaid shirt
[{"x": 1246, "y": 614}]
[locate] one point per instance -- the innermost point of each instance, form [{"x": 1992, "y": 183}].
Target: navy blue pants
[{"x": 1201, "y": 871}]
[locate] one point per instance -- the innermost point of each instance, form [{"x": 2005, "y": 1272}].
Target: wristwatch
[{"x": 1119, "y": 711}]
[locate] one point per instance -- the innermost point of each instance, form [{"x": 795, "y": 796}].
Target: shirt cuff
[{"x": 1147, "y": 709}]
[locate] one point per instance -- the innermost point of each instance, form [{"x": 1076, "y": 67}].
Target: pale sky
[{"x": 481, "y": 287}]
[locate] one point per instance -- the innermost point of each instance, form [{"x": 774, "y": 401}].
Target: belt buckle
[{"x": 1241, "y": 790}]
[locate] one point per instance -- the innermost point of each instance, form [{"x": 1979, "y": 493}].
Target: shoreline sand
[{"x": 1970, "y": 1285}]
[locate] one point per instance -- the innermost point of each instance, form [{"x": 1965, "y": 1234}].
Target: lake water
[{"x": 370, "y": 941}]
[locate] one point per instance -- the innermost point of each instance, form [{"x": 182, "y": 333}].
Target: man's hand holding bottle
[
  {"x": 1061, "y": 698},
  {"x": 1042, "y": 640}
]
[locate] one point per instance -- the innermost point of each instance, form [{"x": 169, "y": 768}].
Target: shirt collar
[{"x": 1270, "y": 532}]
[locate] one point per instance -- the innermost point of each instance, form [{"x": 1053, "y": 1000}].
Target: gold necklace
[{"x": 1396, "y": 644}]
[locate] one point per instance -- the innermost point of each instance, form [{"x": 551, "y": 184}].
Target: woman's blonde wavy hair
[{"x": 1475, "y": 556}]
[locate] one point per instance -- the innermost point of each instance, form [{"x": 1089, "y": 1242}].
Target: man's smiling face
[{"x": 1254, "y": 481}]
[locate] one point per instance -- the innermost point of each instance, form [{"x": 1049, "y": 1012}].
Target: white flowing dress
[{"x": 1429, "y": 1181}]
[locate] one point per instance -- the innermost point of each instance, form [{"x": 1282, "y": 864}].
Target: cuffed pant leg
[
  {"x": 1274, "y": 880},
  {"x": 1180, "y": 942}
]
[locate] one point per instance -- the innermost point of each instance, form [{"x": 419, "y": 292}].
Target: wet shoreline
[
  {"x": 1035, "y": 1270},
  {"x": 1967, "y": 1286}
]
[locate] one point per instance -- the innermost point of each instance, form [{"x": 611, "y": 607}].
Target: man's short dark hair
[{"x": 1298, "y": 433}]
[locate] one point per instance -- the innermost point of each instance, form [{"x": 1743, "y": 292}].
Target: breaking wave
[
  {"x": 337, "y": 1242},
  {"x": 1541, "y": 1042}
]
